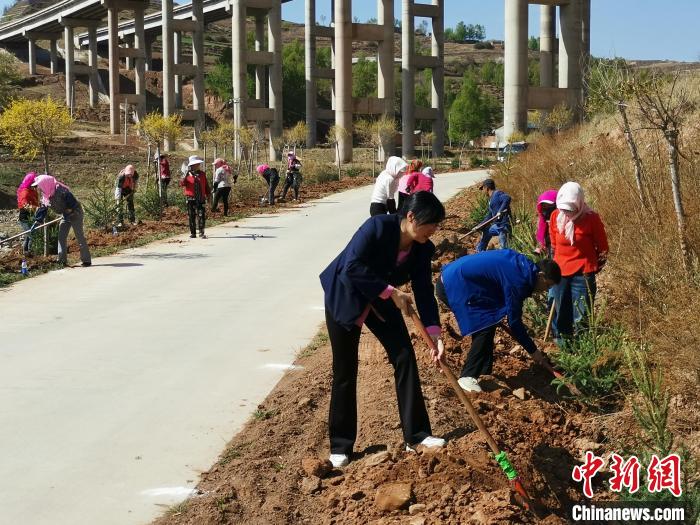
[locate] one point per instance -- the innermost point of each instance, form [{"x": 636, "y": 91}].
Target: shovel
[
  {"x": 499, "y": 456},
  {"x": 479, "y": 227}
]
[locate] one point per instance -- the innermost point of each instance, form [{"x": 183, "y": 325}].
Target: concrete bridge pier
[
  {"x": 139, "y": 63},
  {"x": 128, "y": 41},
  {"x": 547, "y": 43},
  {"x": 515, "y": 70},
  {"x": 408, "y": 78},
  {"x": 385, "y": 64},
  {"x": 69, "y": 57},
  {"x": 177, "y": 60},
  {"x": 274, "y": 46},
  {"x": 149, "y": 39},
  {"x": 53, "y": 55},
  {"x": 343, "y": 78},
  {"x": 570, "y": 54},
  {"x": 198, "y": 65},
  {"x": 438, "y": 78},
  {"x": 260, "y": 80},
  {"x": 310, "y": 73},
  {"x": 92, "y": 64},
  {"x": 238, "y": 50},
  {"x": 32, "y": 55},
  {"x": 168, "y": 63}
]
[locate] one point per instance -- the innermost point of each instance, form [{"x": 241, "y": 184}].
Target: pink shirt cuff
[
  {"x": 433, "y": 330},
  {"x": 387, "y": 292}
]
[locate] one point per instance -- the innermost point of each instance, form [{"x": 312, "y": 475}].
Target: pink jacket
[{"x": 419, "y": 182}]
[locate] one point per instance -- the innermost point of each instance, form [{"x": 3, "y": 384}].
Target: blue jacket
[
  {"x": 487, "y": 286},
  {"x": 367, "y": 265},
  {"x": 500, "y": 202}
]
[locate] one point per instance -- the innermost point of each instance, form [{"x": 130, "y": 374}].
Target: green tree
[
  {"x": 460, "y": 32},
  {"x": 471, "y": 113},
  {"x": 533, "y": 43},
  {"x": 475, "y": 32},
  {"x": 364, "y": 78},
  {"x": 294, "y": 82},
  {"x": 219, "y": 81}
]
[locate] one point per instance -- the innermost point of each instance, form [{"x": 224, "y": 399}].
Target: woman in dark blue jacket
[{"x": 359, "y": 286}]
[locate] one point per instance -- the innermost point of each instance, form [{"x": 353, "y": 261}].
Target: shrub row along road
[{"x": 119, "y": 383}]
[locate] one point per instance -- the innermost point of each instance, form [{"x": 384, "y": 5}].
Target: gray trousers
[{"x": 73, "y": 220}]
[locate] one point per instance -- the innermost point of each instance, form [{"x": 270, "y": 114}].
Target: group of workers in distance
[
  {"x": 292, "y": 180},
  {"x": 193, "y": 181},
  {"x": 393, "y": 248}
]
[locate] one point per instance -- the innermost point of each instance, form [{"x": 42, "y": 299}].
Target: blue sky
[{"x": 641, "y": 29}]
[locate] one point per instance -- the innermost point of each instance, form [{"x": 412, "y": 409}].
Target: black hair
[
  {"x": 426, "y": 208},
  {"x": 550, "y": 270}
]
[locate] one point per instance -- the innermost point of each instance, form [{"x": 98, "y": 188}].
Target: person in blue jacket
[
  {"x": 481, "y": 290},
  {"x": 361, "y": 288},
  {"x": 499, "y": 205}
]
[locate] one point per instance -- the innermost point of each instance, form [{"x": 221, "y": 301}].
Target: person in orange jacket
[
  {"x": 580, "y": 248},
  {"x": 196, "y": 189}
]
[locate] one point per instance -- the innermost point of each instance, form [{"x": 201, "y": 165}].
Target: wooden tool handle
[{"x": 455, "y": 385}]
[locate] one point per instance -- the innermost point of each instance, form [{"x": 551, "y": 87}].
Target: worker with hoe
[
  {"x": 293, "y": 177},
  {"x": 580, "y": 247},
  {"x": 124, "y": 191},
  {"x": 60, "y": 199},
  {"x": 196, "y": 189},
  {"x": 481, "y": 290},
  {"x": 361, "y": 288},
  {"x": 223, "y": 176},
  {"x": 272, "y": 179},
  {"x": 499, "y": 210}
]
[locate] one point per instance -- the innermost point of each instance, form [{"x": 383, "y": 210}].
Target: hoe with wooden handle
[{"x": 499, "y": 455}]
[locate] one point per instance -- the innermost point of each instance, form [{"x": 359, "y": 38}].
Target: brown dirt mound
[{"x": 260, "y": 479}]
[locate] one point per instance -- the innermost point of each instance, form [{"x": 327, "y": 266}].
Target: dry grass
[{"x": 644, "y": 282}]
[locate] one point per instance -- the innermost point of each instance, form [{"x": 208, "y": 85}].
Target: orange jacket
[{"x": 590, "y": 244}]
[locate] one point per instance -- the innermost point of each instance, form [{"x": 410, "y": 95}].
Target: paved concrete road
[{"x": 121, "y": 382}]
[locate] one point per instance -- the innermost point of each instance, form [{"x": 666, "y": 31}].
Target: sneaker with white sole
[
  {"x": 429, "y": 442},
  {"x": 339, "y": 460},
  {"x": 469, "y": 384}
]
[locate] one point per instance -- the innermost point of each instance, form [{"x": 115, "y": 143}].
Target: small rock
[
  {"x": 416, "y": 508},
  {"x": 316, "y": 467},
  {"x": 585, "y": 444},
  {"x": 418, "y": 520},
  {"x": 519, "y": 393},
  {"x": 516, "y": 350},
  {"x": 377, "y": 459},
  {"x": 310, "y": 485},
  {"x": 393, "y": 496},
  {"x": 304, "y": 402}
]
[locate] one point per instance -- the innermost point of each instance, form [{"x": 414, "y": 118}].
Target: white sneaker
[
  {"x": 469, "y": 384},
  {"x": 339, "y": 460},
  {"x": 429, "y": 442}
]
